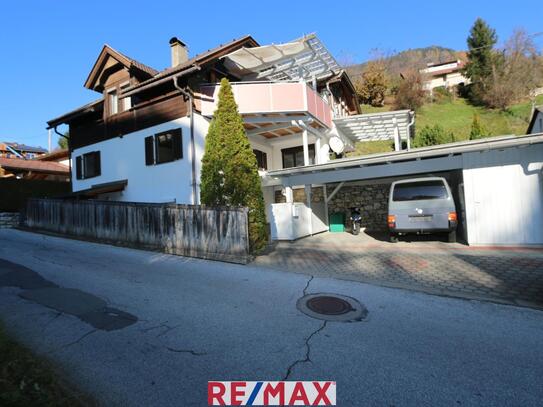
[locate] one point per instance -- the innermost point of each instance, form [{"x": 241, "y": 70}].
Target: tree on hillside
[
  {"x": 229, "y": 168},
  {"x": 481, "y": 41},
  {"x": 477, "y": 131},
  {"x": 410, "y": 93},
  {"x": 372, "y": 86},
  {"x": 515, "y": 72}
]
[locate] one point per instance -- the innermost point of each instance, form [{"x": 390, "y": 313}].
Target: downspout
[
  {"x": 188, "y": 95},
  {"x": 411, "y": 123},
  {"x": 70, "y": 160}
]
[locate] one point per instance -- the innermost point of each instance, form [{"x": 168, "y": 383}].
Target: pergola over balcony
[
  {"x": 274, "y": 109},
  {"x": 304, "y": 59}
]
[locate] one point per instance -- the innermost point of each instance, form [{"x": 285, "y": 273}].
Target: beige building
[{"x": 446, "y": 74}]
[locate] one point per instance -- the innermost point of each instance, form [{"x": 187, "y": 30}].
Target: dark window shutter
[
  {"x": 98, "y": 164},
  {"x": 149, "y": 151},
  {"x": 78, "y": 172},
  {"x": 177, "y": 144},
  {"x": 264, "y": 161}
]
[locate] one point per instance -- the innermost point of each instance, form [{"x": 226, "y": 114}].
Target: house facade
[
  {"x": 446, "y": 74},
  {"x": 143, "y": 139}
]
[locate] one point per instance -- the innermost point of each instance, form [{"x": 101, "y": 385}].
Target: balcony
[{"x": 264, "y": 104}]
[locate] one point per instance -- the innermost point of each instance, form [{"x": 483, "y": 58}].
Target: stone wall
[
  {"x": 371, "y": 199},
  {"x": 9, "y": 220}
]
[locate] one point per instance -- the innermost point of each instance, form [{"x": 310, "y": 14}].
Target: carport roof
[
  {"x": 376, "y": 126},
  {"x": 442, "y": 157}
]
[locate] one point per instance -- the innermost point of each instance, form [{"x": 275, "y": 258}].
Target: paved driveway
[
  {"x": 192, "y": 321},
  {"x": 503, "y": 275}
]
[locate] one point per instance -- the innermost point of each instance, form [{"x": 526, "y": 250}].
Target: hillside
[
  {"x": 417, "y": 57},
  {"x": 456, "y": 117}
]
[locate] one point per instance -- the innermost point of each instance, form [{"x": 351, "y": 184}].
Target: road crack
[
  {"x": 307, "y": 357},
  {"x": 307, "y": 285},
  {"x": 193, "y": 353}
]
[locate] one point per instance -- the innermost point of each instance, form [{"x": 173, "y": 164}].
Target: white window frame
[{"x": 113, "y": 108}]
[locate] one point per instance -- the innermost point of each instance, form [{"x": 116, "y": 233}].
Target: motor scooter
[{"x": 356, "y": 220}]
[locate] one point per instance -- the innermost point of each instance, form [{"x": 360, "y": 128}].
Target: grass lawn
[
  {"x": 26, "y": 380},
  {"x": 456, "y": 116}
]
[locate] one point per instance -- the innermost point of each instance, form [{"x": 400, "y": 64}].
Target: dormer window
[{"x": 116, "y": 105}]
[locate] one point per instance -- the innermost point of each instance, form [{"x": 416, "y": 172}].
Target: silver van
[{"x": 421, "y": 205}]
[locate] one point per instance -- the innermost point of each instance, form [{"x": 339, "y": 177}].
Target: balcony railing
[{"x": 271, "y": 98}]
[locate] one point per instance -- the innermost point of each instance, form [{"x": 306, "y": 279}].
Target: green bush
[
  {"x": 442, "y": 95},
  {"x": 229, "y": 168},
  {"x": 431, "y": 136}
]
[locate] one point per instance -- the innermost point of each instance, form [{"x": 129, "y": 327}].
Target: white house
[{"x": 445, "y": 74}]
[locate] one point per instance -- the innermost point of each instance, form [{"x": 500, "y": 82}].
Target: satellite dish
[{"x": 336, "y": 144}]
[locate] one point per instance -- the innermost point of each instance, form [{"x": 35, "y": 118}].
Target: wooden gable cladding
[
  {"x": 93, "y": 129},
  {"x": 112, "y": 67}
]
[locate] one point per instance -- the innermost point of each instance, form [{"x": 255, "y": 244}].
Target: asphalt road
[{"x": 200, "y": 320}]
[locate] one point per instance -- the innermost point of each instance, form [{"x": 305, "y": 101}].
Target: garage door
[{"x": 504, "y": 196}]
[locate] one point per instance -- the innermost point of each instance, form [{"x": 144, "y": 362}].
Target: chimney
[{"x": 180, "y": 52}]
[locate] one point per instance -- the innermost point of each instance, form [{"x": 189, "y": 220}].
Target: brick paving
[{"x": 506, "y": 275}]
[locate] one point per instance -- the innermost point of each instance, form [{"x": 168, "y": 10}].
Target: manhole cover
[
  {"x": 328, "y": 305},
  {"x": 332, "y": 307}
]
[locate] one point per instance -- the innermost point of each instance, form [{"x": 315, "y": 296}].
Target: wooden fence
[{"x": 186, "y": 230}]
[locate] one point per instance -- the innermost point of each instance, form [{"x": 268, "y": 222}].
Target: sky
[{"x": 47, "y": 48}]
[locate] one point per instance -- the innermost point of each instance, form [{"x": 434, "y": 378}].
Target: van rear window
[{"x": 414, "y": 191}]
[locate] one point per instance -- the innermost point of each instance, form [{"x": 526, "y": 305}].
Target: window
[
  {"x": 413, "y": 191},
  {"x": 294, "y": 157},
  {"x": 164, "y": 147},
  {"x": 261, "y": 159},
  {"x": 126, "y": 103},
  {"x": 88, "y": 165},
  {"x": 113, "y": 102}
]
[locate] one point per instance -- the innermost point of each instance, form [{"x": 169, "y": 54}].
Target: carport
[{"x": 498, "y": 182}]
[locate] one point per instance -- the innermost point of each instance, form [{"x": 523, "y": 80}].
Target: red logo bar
[{"x": 316, "y": 393}]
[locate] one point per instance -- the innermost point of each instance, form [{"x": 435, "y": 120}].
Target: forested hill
[{"x": 411, "y": 58}]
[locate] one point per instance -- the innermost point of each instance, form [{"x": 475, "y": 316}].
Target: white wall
[
  {"x": 124, "y": 158},
  {"x": 272, "y": 147},
  {"x": 504, "y": 196}
]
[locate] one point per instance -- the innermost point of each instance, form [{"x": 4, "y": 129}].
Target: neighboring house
[
  {"x": 10, "y": 149},
  {"x": 62, "y": 156},
  {"x": 536, "y": 122},
  {"x": 445, "y": 74},
  {"x": 33, "y": 169}
]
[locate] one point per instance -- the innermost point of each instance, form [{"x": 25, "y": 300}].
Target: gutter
[{"x": 188, "y": 94}]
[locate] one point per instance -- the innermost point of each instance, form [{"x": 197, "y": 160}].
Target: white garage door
[{"x": 504, "y": 196}]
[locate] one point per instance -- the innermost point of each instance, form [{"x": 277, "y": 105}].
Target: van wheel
[
  {"x": 393, "y": 239},
  {"x": 452, "y": 236}
]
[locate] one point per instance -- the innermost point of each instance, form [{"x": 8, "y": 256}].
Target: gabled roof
[
  {"x": 538, "y": 110},
  {"x": 46, "y": 167},
  {"x": 128, "y": 62},
  {"x": 57, "y": 155},
  {"x": 200, "y": 59}
]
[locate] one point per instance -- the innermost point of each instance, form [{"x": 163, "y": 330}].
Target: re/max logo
[{"x": 271, "y": 393}]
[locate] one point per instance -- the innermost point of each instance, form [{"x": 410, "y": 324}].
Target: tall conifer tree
[{"x": 229, "y": 167}]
